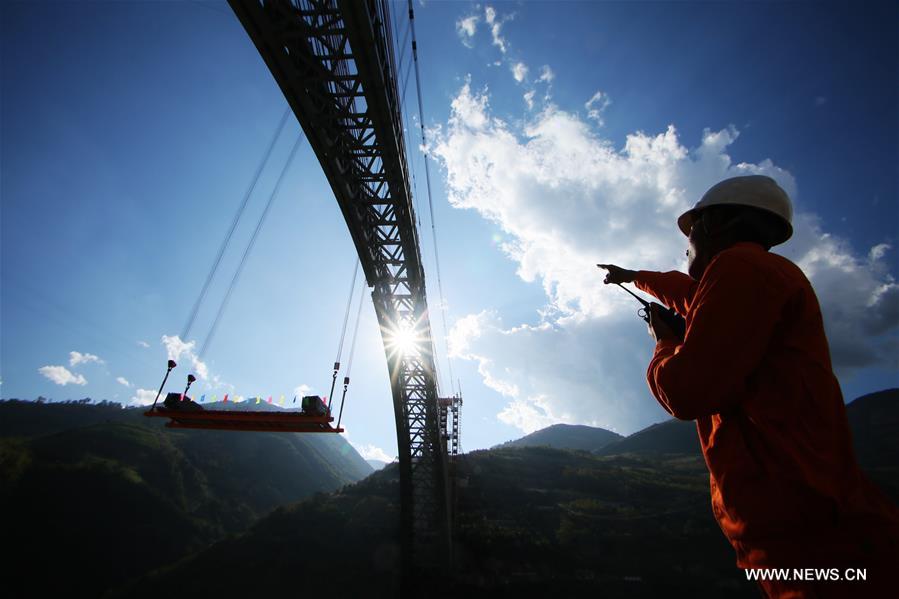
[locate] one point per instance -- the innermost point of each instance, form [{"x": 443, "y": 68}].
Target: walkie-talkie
[{"x": 674, "y": 320}]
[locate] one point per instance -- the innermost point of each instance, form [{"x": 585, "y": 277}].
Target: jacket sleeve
[
  {"x": 674, "y": 289},
  {"x": 733, "y": 317}
]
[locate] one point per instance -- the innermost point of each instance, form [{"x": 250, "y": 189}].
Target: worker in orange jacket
[{"x": 753, "y": 370}]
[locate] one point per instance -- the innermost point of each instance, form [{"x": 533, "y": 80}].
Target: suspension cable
[
  {"x": 218, "y": 259},
  {"x": 402, "y": 45},
  {"x": 349, "y": 366},
  {"x": 346, "y": 315},
  {"x": 249, "y": 247},
  {"x": 346, "y": 318},
  {"x": 424, "y": 143}
]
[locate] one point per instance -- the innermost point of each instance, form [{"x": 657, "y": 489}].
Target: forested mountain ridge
[
  {"x": 117, "y": 494},
  {"x": 530, "y": 521}
]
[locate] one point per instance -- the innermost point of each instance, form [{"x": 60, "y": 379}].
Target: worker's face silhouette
[{"x": 700, "y": 250}]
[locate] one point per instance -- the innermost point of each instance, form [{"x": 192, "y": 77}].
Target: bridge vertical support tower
[
  {"x": 450, "y": 412},
  {"x": 334, "y": 62}
]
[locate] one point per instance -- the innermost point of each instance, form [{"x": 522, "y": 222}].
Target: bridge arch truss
[{"x": 334, "y": 62}]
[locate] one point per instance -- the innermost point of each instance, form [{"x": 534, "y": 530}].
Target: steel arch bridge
[{"x": 334, "y": 62}]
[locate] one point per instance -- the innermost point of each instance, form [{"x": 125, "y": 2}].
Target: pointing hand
[{"x": 617, "y": 274}]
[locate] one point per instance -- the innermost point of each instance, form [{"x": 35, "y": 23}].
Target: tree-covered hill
[
  {"x": 568, "y": 436},
  {"x": 105, "y": 494},
  {"x": 530, "y": 521}
]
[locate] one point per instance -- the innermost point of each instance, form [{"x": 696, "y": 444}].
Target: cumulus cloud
[
  {"x": 529, "y": 99},
  {"x": 142, "y": 397},
  {"x": 466, "y": 27},
  {"x": 372, "y": 452},
  {"x": 519, "y": 71},
  {"x": 61, "y": 375},
  {"x": 176, "y": 348},
  {"x": 143, "y": 344},
  {"x": 76, "y": 358},
  {"x": 567, "y": 198},
  {"x": 123, "y": 381}
]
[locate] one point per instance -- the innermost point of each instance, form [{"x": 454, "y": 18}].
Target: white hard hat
[{"x": 756, "y": 191}]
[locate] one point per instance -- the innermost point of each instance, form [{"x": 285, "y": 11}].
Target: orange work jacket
[{"x": 754, "y": 372}]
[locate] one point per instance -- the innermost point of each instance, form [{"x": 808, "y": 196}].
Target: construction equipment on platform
[{"x": 183, "y": 412}]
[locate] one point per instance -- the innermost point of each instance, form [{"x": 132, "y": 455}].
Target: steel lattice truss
[{"x": 333, "y": 59}]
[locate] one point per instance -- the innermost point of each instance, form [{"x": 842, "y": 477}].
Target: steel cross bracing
[{"x": 333, "y": 60}]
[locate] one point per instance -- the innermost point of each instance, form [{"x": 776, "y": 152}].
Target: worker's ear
[{"x": 719, "y": 220}]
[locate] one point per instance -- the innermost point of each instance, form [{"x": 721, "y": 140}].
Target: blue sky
[{"x": 131, "y": 130}]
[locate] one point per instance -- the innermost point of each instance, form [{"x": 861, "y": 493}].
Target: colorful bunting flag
[
  {"x": 269, "y": 399},
  {"x": 282, "y": 400},
  {"x": 257, "y": 399},
  {"x": 203, "y": 398},
  {"x": 294, "y": 399},
  {"x": 225, "y": 398}
]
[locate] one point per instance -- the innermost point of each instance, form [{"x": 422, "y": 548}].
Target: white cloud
[
  {"x": 596, "y": 105},
  {"x": 372, "y": 452},
  {"x": 546, "y": 74},
  {"x": 496, "y": 25},
  {"x": 878, "y": 251},
  {"x": 302, "y": 390},
  {"x": 76, "y": 358},
  {"x": 143, "y": 344},
  {"x": 61, "y": 375},
  {"x": 466, "y": 27},
  {"x": 519, "y": 71},
  {"x": 530, "y": 414},
  {"x": 142, "y": 397},
  {"x": 176, "y": 348},
  {"x": 529, "y": 99},
  {"x": 123, "y": 381},
  {"x": 567, "y": 198}
]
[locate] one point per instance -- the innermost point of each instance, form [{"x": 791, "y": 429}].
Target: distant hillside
[
  {"x": 31, "y": 418},
  {"x": 874, "y": 419},
  {"x": 567, "y": 436},
  {"x": 531, "y": 521},
  {"x": 376, "y": 464},
  {"x": 117, "y": 494},
  {"x": 671, "y": 437}
]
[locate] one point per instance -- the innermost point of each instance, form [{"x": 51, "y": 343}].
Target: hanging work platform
[
  {"x": 183, "y": 412},
  {"x": 232, "y": 420}
]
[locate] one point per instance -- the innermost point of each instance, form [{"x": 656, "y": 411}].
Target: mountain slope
[
  {"x": 672, "y": 436},
  {"x": 874, "y": 419},
  {"x": 531, "y": 521},
  {"x": 568, "y": 436},
  {"x": 124, "y": 495}
]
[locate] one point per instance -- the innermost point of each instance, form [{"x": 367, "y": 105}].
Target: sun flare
[{"x": 404, "y": 340}]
